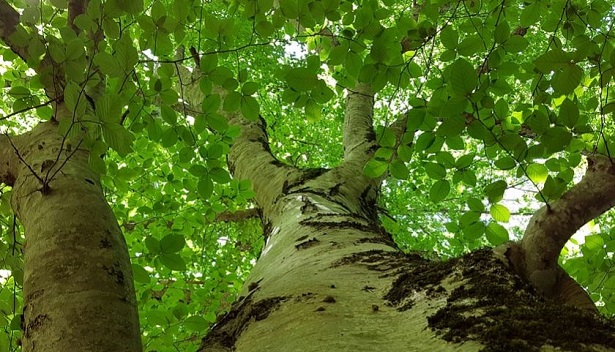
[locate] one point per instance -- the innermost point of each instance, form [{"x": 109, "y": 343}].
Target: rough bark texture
[{"x": 78, "y": 286}]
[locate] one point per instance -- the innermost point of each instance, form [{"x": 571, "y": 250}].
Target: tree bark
[
  {"x": 330, "y": 278},
  {"x": 78, "y": 286}
]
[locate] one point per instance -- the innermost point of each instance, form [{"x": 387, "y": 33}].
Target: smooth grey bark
[{"x": 78, "y": 287}]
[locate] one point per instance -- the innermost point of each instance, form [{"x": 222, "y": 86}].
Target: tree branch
[
  {"x": 553, "y": 225},
  {"x": 237, "y": 216},
  {"x": 359, "y": 137}
]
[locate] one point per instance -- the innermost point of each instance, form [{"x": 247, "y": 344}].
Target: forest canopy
[{"x": 484, "y": 111}]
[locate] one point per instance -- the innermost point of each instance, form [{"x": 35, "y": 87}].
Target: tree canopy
[{"x": 484, "y": 112}]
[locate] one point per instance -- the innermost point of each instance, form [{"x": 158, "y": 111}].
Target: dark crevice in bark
[{"x": 244, "y": 312}]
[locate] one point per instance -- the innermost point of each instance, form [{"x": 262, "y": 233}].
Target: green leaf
[
  {"x": 21, "y": 91},
  {"x": 168, "y": 114},
  {"x": 537, "y": 172},
  {"x": 173, "y": 261},
  {"x": 249, "y": 108},
  {"x": 172, "y": 244},
  {"x": 449, "y": 37},
  {"x": 415, "y": 118},
  {"x": 205, "y": 187},
  {"x": 249, "y": 88},
  {"x": 470, "y": 45},
  {"x": 219, "y": 175},
  {"x": 556, "y": 139},
  {"x": 530, "y": 14},
  {"x": 108, "y": 65},
  {"x": 404, "y": 153},
  {"x": 425, "y": 141},
  {"x": 505, "y": 163},
  {"x": 118, "y": 138},
  {"x": 386, "y": 137},
  {"x": 475, "y": 205},
  {"x": 232, "y": 102},
  {"x": 439, "y": 191},
  {"x": 463, "y": 77},
  {"x": 398, "y": 169},
  {"x": 195, "y": 323},
  {"x": 594, "y": 242},
  {"x": 301, "y": 79},
  {"x": 133, "y": 7},
  {"x": 568, "y": 113},
  {"x": 502, "y": 32},
  {"x": 375, "y": 168},
  {"x": 152, "y": 245},
  {"x": 496, "y": 234},
  {"x": 435, "y": 171},
  {"x": 552, "y": 60},
  {"x": 451, "y": 126},
  {"x": 495, "y": 191},
  {"x": 566, "y": 80},
  {"x": 499, "y": 213},
  {"x": 140, "y": 274}
]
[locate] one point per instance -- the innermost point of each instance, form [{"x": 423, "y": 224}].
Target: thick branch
[
  {"x": 552, "y": 226},
  {"x": 359, "y": 137}
]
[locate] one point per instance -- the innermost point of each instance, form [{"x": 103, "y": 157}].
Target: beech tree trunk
[
  {"x": 78, "y": 287},
  {"x": 330, "y": 278}
]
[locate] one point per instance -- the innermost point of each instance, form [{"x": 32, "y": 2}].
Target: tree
[{"x": 375, "y": 145}]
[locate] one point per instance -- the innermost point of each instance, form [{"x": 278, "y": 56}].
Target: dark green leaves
[
  {"x": 439, "y": 191},
  {"x": 463, "y": 77}
]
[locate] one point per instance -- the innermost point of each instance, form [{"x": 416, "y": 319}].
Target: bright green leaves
[
  {"x": 462, "y": 77},
  {"x": 305, "y": 89},
  {"x": 499, "y": 213},
  {"x": 301, "y": 79},
  {"x": 242, "y": 101},
  {"x": 118, "y": 137},
  {"x": 449, "y": 37},
  {"x": 502, "y": 32},
  {"x": 537, "y": 173},
  {"x": 140, "y": 274},
  {"x": 375, "y": 168}
]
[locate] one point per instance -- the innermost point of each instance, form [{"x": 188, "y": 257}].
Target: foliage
[{"x": 500, "y": 100}]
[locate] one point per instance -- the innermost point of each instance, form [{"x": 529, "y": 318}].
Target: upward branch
[
  {"x": 553, "y": 225},
  {"x": 359, "y": 137}
]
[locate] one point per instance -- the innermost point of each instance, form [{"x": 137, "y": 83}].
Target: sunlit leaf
[{"x": 499, "y": 213}]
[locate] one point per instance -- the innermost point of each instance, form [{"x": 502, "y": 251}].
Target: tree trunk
[
  {"x": 78, "y": 287},
  {"x": 331, "y": 279}
]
